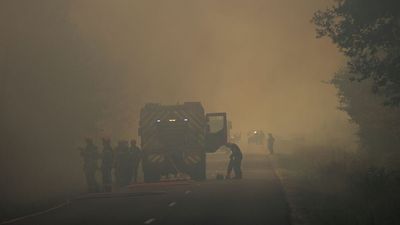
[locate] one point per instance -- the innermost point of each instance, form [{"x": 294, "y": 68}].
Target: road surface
[{"x": 256, "y": 199}]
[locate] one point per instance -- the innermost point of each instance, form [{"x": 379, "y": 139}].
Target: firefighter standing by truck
[
  {"x": 235, "y": 162},
  {"x": 107, "y": 158},
  {"x": 90, "y": 156},
  {"x": 123, "y": 164},
  {"x": 136, "y": 155}
]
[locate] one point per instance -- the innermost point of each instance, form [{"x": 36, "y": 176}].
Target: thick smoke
[
  {"x": 71, "y": 69},
  {"x": 52, "y": 94}
]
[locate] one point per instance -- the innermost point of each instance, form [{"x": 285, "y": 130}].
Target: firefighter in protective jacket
[{"x": 235, "y": 162}]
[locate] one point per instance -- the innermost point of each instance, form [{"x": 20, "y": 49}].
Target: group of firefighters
[{"x": 125, "y": 160}]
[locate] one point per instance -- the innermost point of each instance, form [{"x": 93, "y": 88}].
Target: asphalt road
[{"x": 256, "y": 199}]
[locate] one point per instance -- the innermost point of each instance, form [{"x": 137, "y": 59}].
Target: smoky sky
[
  {"x": 257, "y": 60},
  {"x": 71, "y": 69}
]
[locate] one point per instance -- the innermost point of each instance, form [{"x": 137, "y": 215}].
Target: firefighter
[
  {"x": 136, "y": 158},
  {"x": 90, "y": 156},
  {"x": 235, "y": 161},
  {"x": 271, "y": 141},
  {"x": 123, "y": 163},
  {"x": 107, "y": 158}
]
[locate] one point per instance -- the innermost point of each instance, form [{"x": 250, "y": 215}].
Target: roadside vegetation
[
  {"x": 334, "y": 186},
  {"x": 327, "y": 185}
]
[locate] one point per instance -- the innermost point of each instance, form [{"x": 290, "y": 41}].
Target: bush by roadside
[{"x": 333, "y": 186}]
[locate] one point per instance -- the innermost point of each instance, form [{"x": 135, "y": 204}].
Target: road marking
[
  {"x": 157, "y": 157},
  {"x": 149, "y": 221},
  {"x": 172, "y": 204},
  {"x": 36, "y": 214},
  {"x": 187, "y": 192}
]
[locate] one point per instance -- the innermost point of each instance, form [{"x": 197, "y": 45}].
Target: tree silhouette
[{"x": 368, "y": 32}]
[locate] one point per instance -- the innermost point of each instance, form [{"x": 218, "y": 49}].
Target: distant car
[
  {"x": 256, "y": 137},
  {"x": 235, "y": 138}
]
